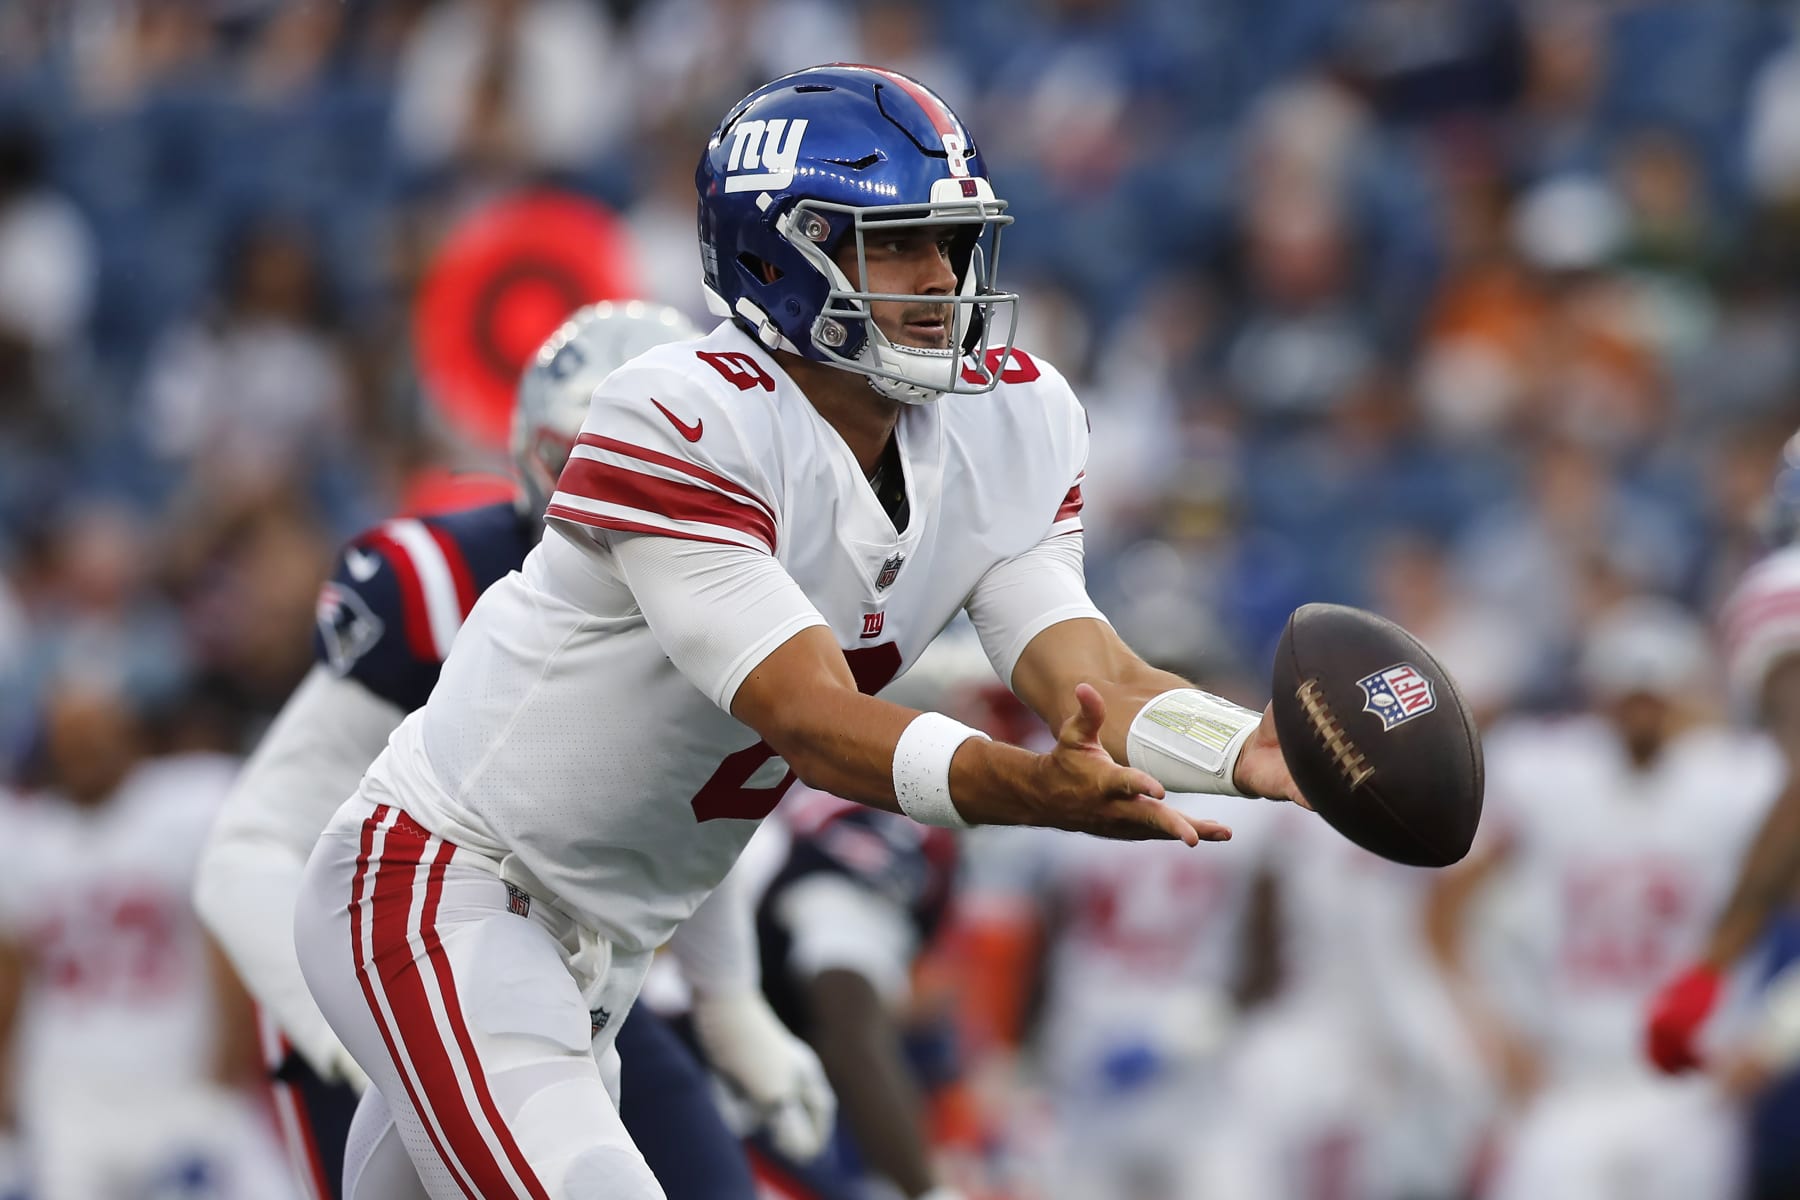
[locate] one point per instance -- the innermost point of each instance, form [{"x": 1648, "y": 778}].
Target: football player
[
  {"x": 1614, "y": 837},
  {"x": 131, "y": 1042},
  {"x": 386, "y": 620},
  {"x": 856, "y": 896},
  {"x": 754, "y": 532},
  {"x": 1760, "y": 623}
]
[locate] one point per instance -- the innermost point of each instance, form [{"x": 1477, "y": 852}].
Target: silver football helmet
[{"x": 555, "y": 389}]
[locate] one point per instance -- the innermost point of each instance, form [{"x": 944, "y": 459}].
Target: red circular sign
[{"x": 501, "y": 283}]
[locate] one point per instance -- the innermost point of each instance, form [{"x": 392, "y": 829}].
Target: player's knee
[{"x": 609, "y": 1173}]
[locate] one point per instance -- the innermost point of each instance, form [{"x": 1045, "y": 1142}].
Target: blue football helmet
[{"x": 845, "y": 151}]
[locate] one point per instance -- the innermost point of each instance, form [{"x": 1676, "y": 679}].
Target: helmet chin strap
[{"x": 885, "y": 353}]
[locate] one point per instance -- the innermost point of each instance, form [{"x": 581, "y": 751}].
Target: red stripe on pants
[
  {"x": 440, "y": 963},
  {"x": 365, "y": 976},
  {"x": 288, "y": 1097},
  {"x": 425, "y": 1040}
]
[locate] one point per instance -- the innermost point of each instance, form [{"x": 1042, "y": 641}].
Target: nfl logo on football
[
  {"x": 1397, "y": 694},
  {"x": 890, "y": 570}
]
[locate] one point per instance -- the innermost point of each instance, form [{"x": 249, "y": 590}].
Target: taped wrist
[
  {"x": 1190, "y": 740},
  {"x": 922, "y": 768}
]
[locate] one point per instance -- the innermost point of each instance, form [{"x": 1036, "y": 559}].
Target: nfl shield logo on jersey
[
  {"x": 890, "y": 570},
  {"x": 1397, "y": 694}
]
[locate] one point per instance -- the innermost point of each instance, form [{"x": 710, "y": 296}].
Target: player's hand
[
  {"x": 1261, "y": 769},
  {"x": 1677, "y": 1012},
  {"x": 779, "y": 1074},
  {"x": 1082, "y": 789}
]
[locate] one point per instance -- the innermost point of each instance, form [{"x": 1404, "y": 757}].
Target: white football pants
[
  {"x": 459, "y": 996},
  {"x": 1635, "y": 1139}
]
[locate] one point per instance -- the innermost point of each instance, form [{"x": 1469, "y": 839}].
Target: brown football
[{"x": 1377, "y": 736}]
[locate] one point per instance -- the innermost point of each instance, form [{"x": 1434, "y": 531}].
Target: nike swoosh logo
[
  {"x": 362, "y": 564},
  {"x": 690, "y": 432}
]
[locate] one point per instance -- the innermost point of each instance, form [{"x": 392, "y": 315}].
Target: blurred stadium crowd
[{"x": 1477, "y": 312}]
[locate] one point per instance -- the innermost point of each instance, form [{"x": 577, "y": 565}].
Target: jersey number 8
[{"x": 725, "y": 794}]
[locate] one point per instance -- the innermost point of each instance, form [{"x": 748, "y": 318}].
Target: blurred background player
[
  {"x": 855, "y": 899},
  {"x": 1760, "y": 623},
  {"x": 1349, "y": 1080},
  {"x": 133, "y": 1044},
  {"x": 385, "y": 622},
  {"x": 1143, "y": 962},
  {"x": 851, "y": 900},
  {"x": 1613, "y": 837}
]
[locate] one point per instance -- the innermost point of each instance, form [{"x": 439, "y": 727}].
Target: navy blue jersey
[
  {"x": 908, "y": 864},
  {"x": 400, "y": 592}
]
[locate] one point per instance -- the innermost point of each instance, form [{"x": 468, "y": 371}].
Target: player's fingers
[
  {"x": 1151, "y": 818},
  {"x": 1090, "y": 713},
  {"x": 1210, "y": 831},
  {"x": 1129, "y": 781}
]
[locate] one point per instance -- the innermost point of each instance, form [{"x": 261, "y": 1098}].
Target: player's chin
[{"x": 921, "y": 336}]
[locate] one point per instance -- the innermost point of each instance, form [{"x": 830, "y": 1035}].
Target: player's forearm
[
  {"x": 860, "y": 1049},
  {"x": 1084, "y": 651},
  {"x": 716, "y": 946},
  {"x": 846, "y": 748},
  {"x": 12, "y": 991},
  {"x": 236, "y": 1053},
  {"x": 246, "y": 901},
  {"x": 1125, "y": 698},
  {"x": 1770, "y": 871}
]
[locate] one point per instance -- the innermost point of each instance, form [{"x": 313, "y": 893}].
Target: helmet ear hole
[{"x": 761, "y": 268}]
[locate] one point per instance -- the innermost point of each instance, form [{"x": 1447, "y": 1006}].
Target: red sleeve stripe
[
  {"x": 656, "y": 500},
  {"x": 1071, "y": 504},
  {"x": 460, "y": 575},
  {"x": 412, "y": 594},
  {"x": 434, "y": 582},
  {"x": 669, "y": 461},
  {"x": 1758, "y": 617},
  {"x": 582, "y": 516}
]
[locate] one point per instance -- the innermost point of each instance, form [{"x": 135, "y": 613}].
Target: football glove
[
  {"x": 746, "y": 1043},
  {"x": 1677, "y": 1012}
]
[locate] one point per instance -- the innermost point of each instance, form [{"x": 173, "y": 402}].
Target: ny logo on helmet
[{"x": 767, "y": 148}]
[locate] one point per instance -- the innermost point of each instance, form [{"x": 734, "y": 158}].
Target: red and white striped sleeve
[
  {"x": 1760, "y": 624},
  {"x": 1068, "y": 513},
  {"x": 1068, "y": 421},
  {"x": 658, "y": 455},
  {"x": 436, "y": 589}
]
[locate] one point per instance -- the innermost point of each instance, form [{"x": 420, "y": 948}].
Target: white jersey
[
  {"x": 1761, "y": 624},
  {"x": 120, "y": 993},
  {"x": 1149, "y": 939},
  {"x": 1614, "y": 874},
  {"x": 563, "y": 740}
]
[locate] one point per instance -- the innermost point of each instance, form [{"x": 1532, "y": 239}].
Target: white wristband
[
  {"x": 922, "y": 768},
  {"x": 1190, "y": 740}
]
